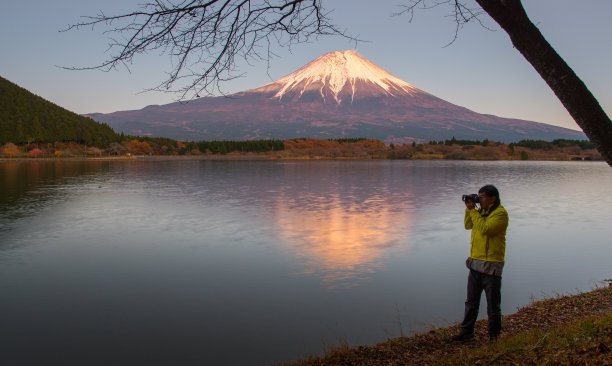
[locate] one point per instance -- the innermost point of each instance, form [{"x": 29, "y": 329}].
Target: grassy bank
[{"x": 564, "y": 330}]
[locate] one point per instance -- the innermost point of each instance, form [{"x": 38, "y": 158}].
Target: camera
[{"x": 470, "y": 198}]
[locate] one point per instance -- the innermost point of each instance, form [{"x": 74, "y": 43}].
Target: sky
[{"x": 481, "y": 70}]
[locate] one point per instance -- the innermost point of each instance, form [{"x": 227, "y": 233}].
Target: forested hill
[{"x": 28, "y": 118}]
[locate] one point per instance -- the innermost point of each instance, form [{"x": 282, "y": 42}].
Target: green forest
[{"x": 27, "y": 118}]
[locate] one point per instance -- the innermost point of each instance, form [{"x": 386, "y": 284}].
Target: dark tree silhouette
[
  {"x": 205, "y": 37},
  {"x": 527, "y": 39}
]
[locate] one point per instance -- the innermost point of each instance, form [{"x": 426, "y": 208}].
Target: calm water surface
[{"x": 191, "y": 262}]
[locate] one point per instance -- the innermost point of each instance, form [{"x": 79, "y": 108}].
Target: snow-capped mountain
[
  {"x": 339, "y": 94},
  {"x": 340, "y": 77}
]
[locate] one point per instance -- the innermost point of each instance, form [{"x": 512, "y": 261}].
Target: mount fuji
[{"x": 337, "y": 95}]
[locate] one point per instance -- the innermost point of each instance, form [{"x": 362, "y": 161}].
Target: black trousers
[{"x": 492, "y": 286}]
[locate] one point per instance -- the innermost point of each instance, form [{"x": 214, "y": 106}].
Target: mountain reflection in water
[
  {"x": 195, "y": 262},
  {"x": 342, "y": 244}
]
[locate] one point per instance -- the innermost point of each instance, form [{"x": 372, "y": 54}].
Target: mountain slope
[
  {"x": 25, "y": 117},
  {"x": 339, "y": 94}
]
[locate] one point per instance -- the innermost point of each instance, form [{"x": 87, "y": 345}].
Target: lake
[{"x": 199, "y": 262}]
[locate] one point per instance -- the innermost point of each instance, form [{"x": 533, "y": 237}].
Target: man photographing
[{"x": 486, "y": 260}]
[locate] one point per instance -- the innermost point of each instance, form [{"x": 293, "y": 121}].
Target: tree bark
[{"x": 568, "y": 87}]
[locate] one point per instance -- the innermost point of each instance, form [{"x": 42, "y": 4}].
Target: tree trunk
[{"x": 568, "y": 87}]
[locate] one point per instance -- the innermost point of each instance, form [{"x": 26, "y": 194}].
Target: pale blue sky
[{"x": 480, "y": 71}]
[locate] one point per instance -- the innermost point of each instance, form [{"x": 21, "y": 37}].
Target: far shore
[
  {"x": 254, "y": 157},
  {"x": 138, "y": 158},
  {"x": 132, "y": 148}
]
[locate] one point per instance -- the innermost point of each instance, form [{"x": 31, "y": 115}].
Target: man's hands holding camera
[{"x": 470, "y": 200}]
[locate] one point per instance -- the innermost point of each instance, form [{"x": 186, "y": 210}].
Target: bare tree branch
[
  {"x": 527, "y": 39},
  {"x": 204, "y": 38},
  {"x": 461, "y": 13}
]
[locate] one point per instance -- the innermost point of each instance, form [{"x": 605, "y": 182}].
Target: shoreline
[
  {"x": 311, "y": 149},
  {"x": 522, "y": 334},
  {"x": 230, "y": 157}
]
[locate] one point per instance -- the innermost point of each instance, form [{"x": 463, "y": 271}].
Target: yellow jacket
[{"x": 488, "y": 242}]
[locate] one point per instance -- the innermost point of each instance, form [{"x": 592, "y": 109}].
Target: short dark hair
[{"x": 491, "y": 191}]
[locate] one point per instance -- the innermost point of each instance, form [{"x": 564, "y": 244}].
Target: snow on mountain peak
[{"x": 335, "y": 71}]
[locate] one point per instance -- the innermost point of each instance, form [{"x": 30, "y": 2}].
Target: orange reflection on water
[{"x": 343, "y": 245}]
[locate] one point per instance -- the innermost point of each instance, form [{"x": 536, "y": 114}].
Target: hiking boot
[{"x": 463, "y": 337}]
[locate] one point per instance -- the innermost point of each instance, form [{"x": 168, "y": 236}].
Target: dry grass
[
  {"x": 556, "y": 331},
  {"x": 587, "y": 341}
]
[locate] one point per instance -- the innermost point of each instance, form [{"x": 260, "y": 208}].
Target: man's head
[{"x": 488, "y": 196}]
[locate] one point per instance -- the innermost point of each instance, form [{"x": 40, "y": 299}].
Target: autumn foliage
[
  {"x": 9, "y": 149},
  {"x": 34, "y": 152},
  {"x": 347, "y": 148},
  {"x": 138, "y": 147},
  {"x": 309, "y": 148}
]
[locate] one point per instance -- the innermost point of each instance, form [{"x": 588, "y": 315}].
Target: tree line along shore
[{"x": 308, "y": 148}]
